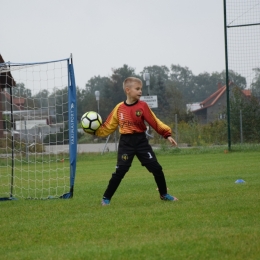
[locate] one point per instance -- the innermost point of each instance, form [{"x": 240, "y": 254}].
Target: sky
[{"x": 103, "y": 35}]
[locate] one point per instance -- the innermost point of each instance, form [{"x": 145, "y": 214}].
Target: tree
[
  {"x": 236, "y": 78},
  {"x": 255, "y": 86},
  {"x": 111, "y": 92},
  {"x": 58, "y": 100},
  {"x": 250, "y": 109},
  {"x": 205, "y": 84},
  {"x": 117, "y": 79},
  {"x": 88, "y": 101},
  {"x": 176, "y": 104},
  {"x": 41, "y": 99},
  {"x": 184, "y": 79},
  {"x": 21, "y": 91},
  {"x": 159, "y": 75}
]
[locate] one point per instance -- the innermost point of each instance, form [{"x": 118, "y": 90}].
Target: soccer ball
[{"x": 91, "y": 121}]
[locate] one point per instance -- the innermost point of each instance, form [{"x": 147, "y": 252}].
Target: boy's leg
[
  {"x": 115, "y": 180},
  {"x": 125, "y": 157},
  {"x": 156, "y": 169},
  {"x": 147, "y": 157}
]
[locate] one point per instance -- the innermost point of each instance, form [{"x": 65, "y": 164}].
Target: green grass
[
  {"x": 213, "y": 219},
  {"x": 37, "y": 178}
]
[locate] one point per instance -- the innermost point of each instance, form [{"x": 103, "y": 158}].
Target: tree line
[{"x": 175, "y": 87}]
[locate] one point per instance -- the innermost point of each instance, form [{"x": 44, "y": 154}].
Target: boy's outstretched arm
[{"x": 172, "y": 141}]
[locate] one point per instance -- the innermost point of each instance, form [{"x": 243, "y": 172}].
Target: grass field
[{"x": 213, "y": 219}]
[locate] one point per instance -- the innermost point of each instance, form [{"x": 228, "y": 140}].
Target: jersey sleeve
[
  {"x": 110, "y": 125},
  {"x": 161, "y": 128}
]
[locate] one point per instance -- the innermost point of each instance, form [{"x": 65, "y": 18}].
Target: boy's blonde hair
[{"x": 128, "y": 82}]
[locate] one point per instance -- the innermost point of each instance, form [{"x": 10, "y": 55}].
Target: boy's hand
[{"x": 172, "y": 141}]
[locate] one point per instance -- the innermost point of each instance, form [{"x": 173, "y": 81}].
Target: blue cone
[{"x": 239, "y": 181}]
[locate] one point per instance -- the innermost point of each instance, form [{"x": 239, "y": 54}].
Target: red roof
[
  {"x": 6, "y": 78},
  {"x": 247, "y": 92},
  {"x": 212, "y": 99}
]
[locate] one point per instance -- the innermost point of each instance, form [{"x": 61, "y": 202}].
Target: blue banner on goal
[{"x": 72, "y": 108}]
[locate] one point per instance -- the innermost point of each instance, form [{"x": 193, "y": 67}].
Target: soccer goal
[{"x": 38, "y": 130}]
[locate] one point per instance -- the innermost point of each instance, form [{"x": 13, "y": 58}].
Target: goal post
[
  {"x": 72, "y": 107},
  {"x": 38, "y": 129}
]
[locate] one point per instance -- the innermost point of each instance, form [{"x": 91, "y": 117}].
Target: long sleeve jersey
[{"x": 131, "y": 119}]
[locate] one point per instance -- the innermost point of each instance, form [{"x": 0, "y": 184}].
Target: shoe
[
  {"x": 168, "y": 197},
  {"x": 105, "y": 202}
]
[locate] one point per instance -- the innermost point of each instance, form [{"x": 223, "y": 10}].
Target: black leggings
[{"x": 153, "y": 167}]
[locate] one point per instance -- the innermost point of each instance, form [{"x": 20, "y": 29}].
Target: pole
[
  {"x": 146, "y": 77},
  {"x": 148, "y": 85},
  {"x": 97, "y": 94},
  {"x": 241, "y": 128},
  {"x": 12, "y": 133},
  {"x": 176, "y": 128},
  {"x": 227, "y": 80},
  {"x": 27, "y": 141}
]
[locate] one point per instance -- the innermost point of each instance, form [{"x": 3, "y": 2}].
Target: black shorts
[{"x": 134, "y": 144}]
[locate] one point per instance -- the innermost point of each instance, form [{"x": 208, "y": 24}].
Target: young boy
[{"x": 130, "y": 116}]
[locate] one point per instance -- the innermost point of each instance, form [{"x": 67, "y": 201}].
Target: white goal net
[{"x": 38, "y": 131}]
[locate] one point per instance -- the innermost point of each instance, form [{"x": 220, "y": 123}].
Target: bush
[
  {"x": 194, "y": 134},
  {"x": 19, "y": 146}
]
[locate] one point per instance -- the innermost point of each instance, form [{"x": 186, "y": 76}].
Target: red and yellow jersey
[{"x": 131, "y": 119}]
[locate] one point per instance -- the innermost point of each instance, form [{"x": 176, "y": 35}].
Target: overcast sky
[{"x": 106, "y": 34}]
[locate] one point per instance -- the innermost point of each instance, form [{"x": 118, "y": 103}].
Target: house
[
  {"x": 193, "y": 106},
  {"x": 30, "y": 120},
  {"x": 7, "y": 81},
  {"x": 214, "y": 107}
]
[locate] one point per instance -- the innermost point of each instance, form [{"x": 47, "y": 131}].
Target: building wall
[
  {"x": 214, "y": 111},
  {"x": 201, "y": 116}
]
